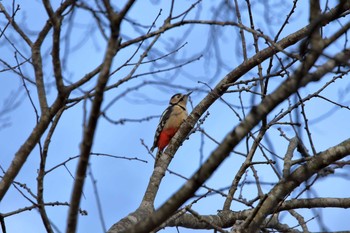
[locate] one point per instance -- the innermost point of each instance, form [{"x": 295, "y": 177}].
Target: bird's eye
[{"x": 174, "y": 97}]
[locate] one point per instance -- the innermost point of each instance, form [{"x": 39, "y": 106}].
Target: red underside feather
[{"x": 165, "y": 137}]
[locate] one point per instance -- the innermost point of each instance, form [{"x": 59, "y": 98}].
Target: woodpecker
[{"x": 170, "y": 122}]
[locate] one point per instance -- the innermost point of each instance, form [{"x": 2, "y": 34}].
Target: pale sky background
[{"x": 121, "y": 183}]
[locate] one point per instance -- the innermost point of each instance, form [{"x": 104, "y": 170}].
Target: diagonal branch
[
  {"x": 24, "y": 151},
  {"x": 301, "y": 174},
  {"x": 11, "y": 19}
]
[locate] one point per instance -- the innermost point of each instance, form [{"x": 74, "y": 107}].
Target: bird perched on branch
[{"x": 170, "y": 122}]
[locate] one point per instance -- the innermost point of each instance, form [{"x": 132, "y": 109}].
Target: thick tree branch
[{"x": 89, "y": 130}]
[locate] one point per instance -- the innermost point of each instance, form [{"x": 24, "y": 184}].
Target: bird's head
[{"x": 179, "y": 99}]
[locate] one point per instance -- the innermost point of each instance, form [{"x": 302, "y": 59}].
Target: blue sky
[{"x": 121, "y": 183}]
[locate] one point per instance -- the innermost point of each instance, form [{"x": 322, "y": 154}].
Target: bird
[{"x": 170, "y": 121}]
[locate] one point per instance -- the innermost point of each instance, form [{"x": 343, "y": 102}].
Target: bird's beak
[{"x": 189, "y": 93}]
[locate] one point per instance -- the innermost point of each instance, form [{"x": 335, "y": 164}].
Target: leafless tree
[{"x": 271, "y": 69}]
